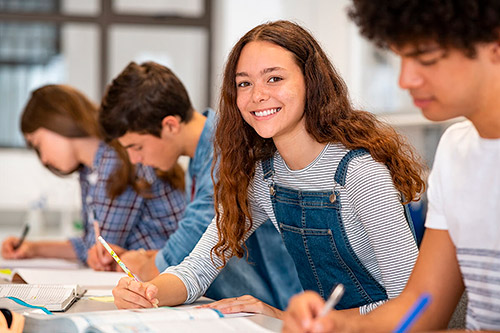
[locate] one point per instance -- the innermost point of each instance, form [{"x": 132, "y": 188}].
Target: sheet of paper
[
  {"x": 83, "y": 277},
  {"x": 206, "y": 326},
  {"x": 46, "y": 263}
]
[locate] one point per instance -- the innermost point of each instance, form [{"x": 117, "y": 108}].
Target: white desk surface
[{"x": 87, "y": 305}]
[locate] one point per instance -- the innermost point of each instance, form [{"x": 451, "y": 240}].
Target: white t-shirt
[{"x": 464, "y": 198}]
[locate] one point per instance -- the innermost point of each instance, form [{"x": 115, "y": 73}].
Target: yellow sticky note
[
  {"x": 105, "y": 299},
  {"x": 5, "y": 271}
]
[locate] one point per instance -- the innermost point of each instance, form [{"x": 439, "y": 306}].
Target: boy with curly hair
[{"x": 450, "y": 65}]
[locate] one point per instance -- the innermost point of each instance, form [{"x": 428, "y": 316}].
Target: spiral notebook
[{"x": 51, "y": 297}]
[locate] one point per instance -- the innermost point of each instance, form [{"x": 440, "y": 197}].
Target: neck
[
  {"x": 86, "y": 148},
  {"x": 298, "y": 149},
  {"x": 192, "y": 133},
  {"x": 486, "y": 118}
]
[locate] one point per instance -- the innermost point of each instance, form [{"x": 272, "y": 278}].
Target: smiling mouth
[{"x": 267, "y": 112}]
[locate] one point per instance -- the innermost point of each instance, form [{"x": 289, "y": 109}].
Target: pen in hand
[
  {"x": 23, "y": 236},
  {"x": 334, "y": 298}
]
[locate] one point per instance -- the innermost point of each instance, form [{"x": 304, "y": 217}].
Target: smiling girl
[{"x": 293, "y": 150}]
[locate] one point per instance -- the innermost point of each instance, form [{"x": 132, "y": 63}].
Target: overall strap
[
  {"x": 267, "y": 167},
  {"x": 341, "y": 172}
]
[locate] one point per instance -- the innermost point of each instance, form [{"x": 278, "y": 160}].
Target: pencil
[{"x": 117, "y": 259}]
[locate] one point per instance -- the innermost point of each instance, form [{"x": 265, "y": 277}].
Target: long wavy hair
[
  {"x": 329, "y": 117},
  {"x": 66, "y": 111}
]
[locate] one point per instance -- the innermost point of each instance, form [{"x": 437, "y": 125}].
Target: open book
[
  {"x": 162, "y": 319},
  {"x": 51, "y": 297}
]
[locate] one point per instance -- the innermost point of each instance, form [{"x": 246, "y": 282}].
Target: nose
[
  {"x": 134, "y": 157},
  {"x": 409, "y": 76},
  {"x": 259, "y": 93}
]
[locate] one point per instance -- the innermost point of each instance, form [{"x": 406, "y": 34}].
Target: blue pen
[{"x": 414, "y": 313}]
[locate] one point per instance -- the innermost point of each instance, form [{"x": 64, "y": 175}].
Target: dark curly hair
[{"x": 459, "y": 24}]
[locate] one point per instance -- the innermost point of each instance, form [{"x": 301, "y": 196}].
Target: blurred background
[{"x": 87, "y": 43}]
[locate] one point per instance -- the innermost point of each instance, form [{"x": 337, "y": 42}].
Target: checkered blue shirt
[{"x": 129, "y": 221}]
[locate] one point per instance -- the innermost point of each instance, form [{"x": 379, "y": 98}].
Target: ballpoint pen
[
  {"x": 23, "y": 236},
  {"x": 334, "y": 298},
  {"x": 413, "y": 313}
]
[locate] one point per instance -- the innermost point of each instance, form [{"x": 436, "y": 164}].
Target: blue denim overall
[{"x": 314, "y": 235}]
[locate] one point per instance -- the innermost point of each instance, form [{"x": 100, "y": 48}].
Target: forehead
[
  {"x": 264, "y": 54},
  {"x": 131, "y": 138}
]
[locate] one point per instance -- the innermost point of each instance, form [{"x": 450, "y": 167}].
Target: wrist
[{"x": 32, "y": 249}]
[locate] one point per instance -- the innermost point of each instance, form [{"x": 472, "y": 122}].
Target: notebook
[
  {"x": 164, "y": 319},
  {"x": 51, "y": 297}
]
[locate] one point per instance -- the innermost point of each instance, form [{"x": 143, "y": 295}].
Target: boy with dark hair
[
  {"x": 450, "y": 64},
  {"x": 148, "y": 110}
]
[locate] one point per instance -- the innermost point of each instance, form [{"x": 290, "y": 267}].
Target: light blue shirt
[{"x": 269, "y": 274}]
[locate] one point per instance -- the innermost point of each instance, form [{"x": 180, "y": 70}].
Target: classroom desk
[{"x": 87, "y": 305}]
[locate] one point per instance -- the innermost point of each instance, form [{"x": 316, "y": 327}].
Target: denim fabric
[
  {"x": 313, "y": 232},
  {"x": 269, "y": 274}
]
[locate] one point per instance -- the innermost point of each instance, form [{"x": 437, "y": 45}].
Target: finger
[
  {"x": 303, "y": 308},
  {"x": 130, "y": 294}
]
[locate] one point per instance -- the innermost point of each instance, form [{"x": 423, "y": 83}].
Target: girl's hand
[
  {"x": 26, "y": 250},
  {"x": 130, "y": 294},
  {"x": 244, "y": 303}
]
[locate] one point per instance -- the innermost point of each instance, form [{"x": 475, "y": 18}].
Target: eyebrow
[
  {"x": 419, "y": 52},
  {"x": 264, "y": 71},
  {"x": 129, "y": 146}
]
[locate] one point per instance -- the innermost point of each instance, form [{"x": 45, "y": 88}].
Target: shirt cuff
[{"x": 80, "y": 249}]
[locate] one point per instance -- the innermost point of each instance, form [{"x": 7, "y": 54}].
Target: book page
[
  {"x": 52, "y": 297},
  {"x": 238, "y": 325}
]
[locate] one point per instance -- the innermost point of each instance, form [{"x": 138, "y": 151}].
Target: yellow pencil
[{"x": 117, "y": 259}]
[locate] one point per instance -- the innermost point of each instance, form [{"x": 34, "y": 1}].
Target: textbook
[
  {"x": 163, "y": 319},
  {"x": 50, "y": 297}
]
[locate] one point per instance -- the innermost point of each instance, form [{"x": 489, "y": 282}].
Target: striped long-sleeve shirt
[{"x": 371, "y": 212}]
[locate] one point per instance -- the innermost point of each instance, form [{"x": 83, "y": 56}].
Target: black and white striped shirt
[{"x": 371, "y": 212}]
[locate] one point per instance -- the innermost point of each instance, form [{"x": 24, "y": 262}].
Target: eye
[
  {"x": 242, "y": 84},
  {"x": 428, "y": 62},
  {"x": 431, "y": 58},
  {"x": 275, "y": 79}
]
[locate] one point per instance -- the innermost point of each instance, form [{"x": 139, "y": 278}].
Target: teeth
[{"x": 266, "y": 112}]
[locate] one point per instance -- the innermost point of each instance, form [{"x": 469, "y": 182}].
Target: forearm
[
  {"x": 171, "y": 289},
  {"x": 53, "y": 249}
]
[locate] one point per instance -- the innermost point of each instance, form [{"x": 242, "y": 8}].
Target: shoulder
[{"x": 458, "y": 132}]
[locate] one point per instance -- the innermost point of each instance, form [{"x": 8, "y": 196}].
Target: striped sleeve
[{"x": 198, "y": 270}]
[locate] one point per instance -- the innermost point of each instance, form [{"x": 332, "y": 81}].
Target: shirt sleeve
[
  {"x": 197, "y": 271},
  {"x": 435, "y": 218},
  {"x": 378, "y": 207},
  {"x": 197, "y": 216}
]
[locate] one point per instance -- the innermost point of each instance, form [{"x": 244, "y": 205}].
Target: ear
[
  {"x": 495, "y": 51},
  {"x": 170, "y": 125}
]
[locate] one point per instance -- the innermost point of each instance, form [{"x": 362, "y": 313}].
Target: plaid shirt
[{"x": 129, "y": 221}]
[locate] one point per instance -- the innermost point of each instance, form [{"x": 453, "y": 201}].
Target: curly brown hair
[
  {"x": 329, "y": 117},
  {"x": 459, "y": 24}
]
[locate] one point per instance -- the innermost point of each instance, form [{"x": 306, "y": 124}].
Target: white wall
[{"x": 23, "y": 179}]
